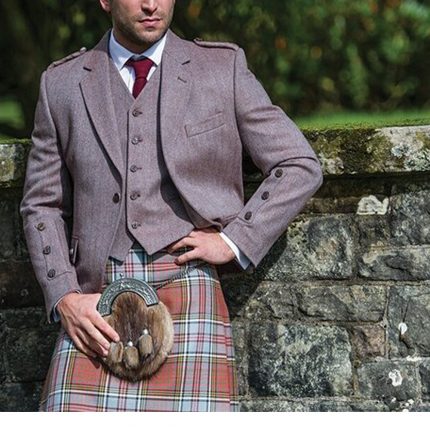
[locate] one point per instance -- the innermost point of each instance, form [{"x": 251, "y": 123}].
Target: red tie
[{"x": 141, "y": 69}]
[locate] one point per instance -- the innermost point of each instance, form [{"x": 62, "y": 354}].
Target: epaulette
[
  {"x": 68, "y": 58},
  {"x": 207, "y": 44}
]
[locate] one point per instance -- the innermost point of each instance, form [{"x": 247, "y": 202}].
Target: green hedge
[{"x": 310, "y": 54}]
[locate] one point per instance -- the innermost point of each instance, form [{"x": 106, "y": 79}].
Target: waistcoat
[{"x": 152, "y": 212}]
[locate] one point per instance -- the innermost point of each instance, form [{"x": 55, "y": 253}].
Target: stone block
[
  {"x": 424, "y": 372},
  {"x": 320, "y": 247},
  {"x": 410, "y": 305},
  {"x": 389, "y": 381},
  {"x": 368, "y": 341},
  {"x": 271, "y": 300},
  {"x": 237, "y": 290},
  {"x": 317, "y": 405},
  {"x": 341, "y": 302},
  {"x": 20, "y": 397},
  {"x": 29, "y": 343},
  {"x": 299, "y": 360},
  {"x": 369, "y": 150},
  {"x": 395, "y": 263},
  {"x": 7, "y": 227},
  {"x": 420, "y": 407},
  {"x": 373, "y": 230},
  {"x": 13, "y": 159},
  {"x": 410, "y": 215},
  {"x": 18, "y": 286},
  {"x": 241, "y": 354}
]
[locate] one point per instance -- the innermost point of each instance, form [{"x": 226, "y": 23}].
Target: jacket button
[
  {"x": 47, "y": 250},
  {"x": 135, "y": 225},
  {"x": 278, "y": 173},
  {"x": 136, "y": 112},
  {"x": 134, "y": 196},
  {"x": 136, "y": 140},
  {"x": 115, "y": 198},
  {"x": 265, "y": 195},
  {"x": 248, "y": 215},
  {"x": 51, "y": 273},
  {"x": 41, "y": 226}
]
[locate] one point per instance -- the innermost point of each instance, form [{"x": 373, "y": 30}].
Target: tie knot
[{"x": 141, "y": 67}]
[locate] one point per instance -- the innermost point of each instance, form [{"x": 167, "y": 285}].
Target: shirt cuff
[{"x": 242, "y": 259}]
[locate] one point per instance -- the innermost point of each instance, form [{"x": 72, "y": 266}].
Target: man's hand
[
  {"x": 208, "y": 245},
  {"x": 84, "y": 324}
]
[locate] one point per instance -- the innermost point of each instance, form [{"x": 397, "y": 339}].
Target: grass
[{"x": 363, "y": 119}]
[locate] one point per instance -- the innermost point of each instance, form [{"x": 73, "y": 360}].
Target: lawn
[{"x": 364, "y": 119}]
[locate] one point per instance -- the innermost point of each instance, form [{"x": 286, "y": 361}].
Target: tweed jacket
[{"x": 212, "y": 110}]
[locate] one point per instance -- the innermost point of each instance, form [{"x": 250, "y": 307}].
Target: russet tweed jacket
[{"x": 211, "y": 109}]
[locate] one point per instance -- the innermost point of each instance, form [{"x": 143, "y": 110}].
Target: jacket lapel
[
  {"x": 174, "y": 94},
  {"x": 96, "y": 89},
  {"x": 175, "y": 89}
]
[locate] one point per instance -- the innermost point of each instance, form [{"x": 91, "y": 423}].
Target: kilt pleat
[{"x": 199, "y": 373}]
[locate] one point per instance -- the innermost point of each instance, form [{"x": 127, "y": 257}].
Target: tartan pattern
[{"x": 198, "y": 375}]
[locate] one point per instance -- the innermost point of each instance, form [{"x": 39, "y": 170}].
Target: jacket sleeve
[
  {"x": 277, "y": 147},
  {"x": 46, "y": 208}
]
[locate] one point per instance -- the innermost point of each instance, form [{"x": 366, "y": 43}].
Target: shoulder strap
[
  {"x": 68, "y": 58},
  {"x": 213, "y": 44}
]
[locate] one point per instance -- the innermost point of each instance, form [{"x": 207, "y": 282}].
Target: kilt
[{"x": 199, "y": 373}]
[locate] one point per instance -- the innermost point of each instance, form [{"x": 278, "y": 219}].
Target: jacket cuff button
[
  {"x": 47, "y": 250},
  {"x": 51, "y": 273},
  {"x": 265, "y": 195},
  {"x": 278, "y": 173},
  {"x": 248, "y": 215},
  {"x": 40, "y": 226}
]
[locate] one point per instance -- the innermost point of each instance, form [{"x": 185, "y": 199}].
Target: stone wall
[{"x": 336, "y": 317}]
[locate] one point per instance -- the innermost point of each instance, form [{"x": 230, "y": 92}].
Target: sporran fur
[{"x": 146, "y": 336}]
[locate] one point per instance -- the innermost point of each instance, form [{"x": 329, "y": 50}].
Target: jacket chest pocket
[{"x": 206, "y": 125}]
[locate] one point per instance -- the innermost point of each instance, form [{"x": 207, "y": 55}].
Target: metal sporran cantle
[{"x": 144, "y": 325}]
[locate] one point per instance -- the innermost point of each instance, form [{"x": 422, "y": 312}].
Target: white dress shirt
[{"x": 120, "y": 56}]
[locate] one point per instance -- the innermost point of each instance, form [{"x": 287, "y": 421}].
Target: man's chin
[{"x": 151, "y": 37}]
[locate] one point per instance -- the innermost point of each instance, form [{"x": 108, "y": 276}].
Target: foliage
[{"x": 309, "y": 54}]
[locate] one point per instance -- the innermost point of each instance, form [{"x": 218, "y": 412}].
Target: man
[{"x": 161, "y": 170}]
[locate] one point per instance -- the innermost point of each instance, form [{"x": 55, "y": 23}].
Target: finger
[
  {"x": 169, "y": 247},
  {"x": 89, "y": 343},
  {"x": 187, "y": 256},
  {"x": 177, "y": 245},
  {"x": 95, "y": 337},
  {"x": 106, "y": 328},
  {"x": 82, "y": 347}
]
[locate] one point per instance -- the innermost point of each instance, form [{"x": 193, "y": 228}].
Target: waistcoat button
[
  {"x": 134, "y": 196},
  {"x": 136, "y": 112},
  {"x": 136, "y": 140},
  {"x": 51, "y": 273},
  {"x": 134, "y": 168},
  {"x": 115, "y": 198},
  {"x": 135, "y": 225},
  {"x": 248, "y": 215},
  {"x": 265, "y": 195}
]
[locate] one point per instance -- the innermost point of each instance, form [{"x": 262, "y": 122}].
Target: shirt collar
[{"x": 120, "y": 54}]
